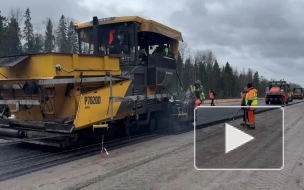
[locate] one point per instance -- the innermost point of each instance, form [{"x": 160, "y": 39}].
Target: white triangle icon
[{"x": 235, "y": 138}]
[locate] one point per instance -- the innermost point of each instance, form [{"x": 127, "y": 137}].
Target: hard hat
[{"x": 198, "y": 82}]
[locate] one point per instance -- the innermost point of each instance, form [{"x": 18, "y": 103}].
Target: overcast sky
[{"x": 265, "y": 35}]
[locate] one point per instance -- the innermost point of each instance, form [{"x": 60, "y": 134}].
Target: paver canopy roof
[{"x": 146, "y": 25}]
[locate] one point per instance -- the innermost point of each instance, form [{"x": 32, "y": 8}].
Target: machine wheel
[{"x": 152, "y": 124}]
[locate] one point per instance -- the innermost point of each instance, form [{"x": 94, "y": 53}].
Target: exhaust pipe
[
  {"x": 95, "y": 35},
  {"x": 12, "y": 132},
  {"x": 38, "y": 134}
]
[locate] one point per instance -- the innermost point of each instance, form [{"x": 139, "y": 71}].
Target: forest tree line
[
  {"x": 30, "y": 39},
  {"x": 192, "y": 65},
  {"x": 225, "y": 80}
]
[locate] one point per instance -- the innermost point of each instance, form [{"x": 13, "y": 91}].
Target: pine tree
[
  {"x": 3, "y": 35},
  {"x": 209, "y": 80},
  {"x": 179, "y": 65},
  {"x": 227, "y": 81},
  {"x": 216, "y": 75},
  {"x": 249, "y": 75},
  {"x": 256, "y": 80},
  {"x": 72, "y": 39},
  {"x": 187, "y": 73},
  {"x": 202, "y": 74},
  {"x": 49, "y": 38},
  {"x": 14, "y": 46},
  {"x": 62, "y": 41},
  {"x": 28, "y": 32},
  {"x": 262, "y": 86},
  {"x": 38, "y": 43}
]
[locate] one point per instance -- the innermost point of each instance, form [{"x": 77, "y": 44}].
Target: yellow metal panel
[
  {"x": 67, "y": 108},
  {"x": 42, "y": 66},
  {"x": 91, "y": 113},
  {"x": 49, "y": 108},
  {"x": 99, "y": 63},
  {"x": 64, "y": 60},
  {"x": 5, "y": 73},
  {"x": 39, "y": 66},
  {"x": 33, "y": 114},
  {"x": 75, "y": 61},
  {"x": 35, "y": 66},
  {"x": 64, "y": 105}
]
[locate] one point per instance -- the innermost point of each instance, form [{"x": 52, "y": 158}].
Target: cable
[{"x": 68, "y": 71}]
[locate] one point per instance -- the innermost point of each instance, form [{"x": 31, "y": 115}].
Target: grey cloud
[
  {"x": 244, "y": 23},
  {"x": 268, "y": 31}
]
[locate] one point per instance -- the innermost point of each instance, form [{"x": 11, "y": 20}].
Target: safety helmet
[{"x": 198, "y": 82}]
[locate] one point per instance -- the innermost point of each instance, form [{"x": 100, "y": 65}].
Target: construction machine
[
  {"x": 266, "y": 91},
  {"x": 116, "y": 82},
  {"x": 278, "y": 93},
  {"x": 298, "y": 93}
]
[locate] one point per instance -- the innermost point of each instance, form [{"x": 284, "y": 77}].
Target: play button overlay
[
  {"x": 222, "y": 143},
  {"x": 235, "y": 138}
]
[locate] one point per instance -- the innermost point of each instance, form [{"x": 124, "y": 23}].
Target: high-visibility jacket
[
  {"x": 252, "y": 94},
  {"x": 166, "y": 51},
  {"x": 198, "y": 94},
  {"x": 202, "y": 96},
  {"x": 211, "y": 95}
]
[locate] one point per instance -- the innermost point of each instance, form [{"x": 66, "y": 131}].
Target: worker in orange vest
[
  {"x": 251, "y": 100},
  {"x": 212, "y": 96},
  {"x": 245, "y": 117}
]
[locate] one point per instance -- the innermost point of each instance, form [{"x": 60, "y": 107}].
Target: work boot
[
  {"x": 245, "y": 123},
  {"x": 251, "y": 126}
]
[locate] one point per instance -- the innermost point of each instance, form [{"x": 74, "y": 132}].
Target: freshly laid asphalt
[
  {"x": 168, "y": 162},
  {"x": 19, "y": 157},
  {"x": 265, "y": 151},
  {"x": 206, "y": 115}
]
